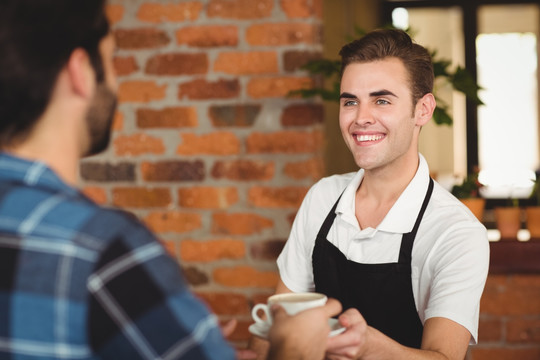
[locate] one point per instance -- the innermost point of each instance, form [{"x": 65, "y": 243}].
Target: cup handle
[{"x": 255, "y": 314}]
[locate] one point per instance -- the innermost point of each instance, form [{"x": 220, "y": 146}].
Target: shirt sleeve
[
  {"x": 459, "y": 267},
  {"x": 294, "y": 262},
  {"x": 141, "y": 308}
]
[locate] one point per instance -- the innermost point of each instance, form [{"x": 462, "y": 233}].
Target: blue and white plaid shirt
[{"x": 78, "y": 281}]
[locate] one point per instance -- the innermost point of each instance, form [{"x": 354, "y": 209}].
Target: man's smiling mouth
[{"x": 367, "y": 138}]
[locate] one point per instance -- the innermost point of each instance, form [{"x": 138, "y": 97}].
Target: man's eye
[
  {"x": 350, "y": 103},
  {"x": 382, "y": 102}
]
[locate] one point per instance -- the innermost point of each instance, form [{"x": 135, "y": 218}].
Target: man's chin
[{"x": 98, "y": 147}]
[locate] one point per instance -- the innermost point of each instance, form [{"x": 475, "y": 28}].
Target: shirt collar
[
  {"x": 403, "y": 214},
  {"x": 31, "y": 173}
]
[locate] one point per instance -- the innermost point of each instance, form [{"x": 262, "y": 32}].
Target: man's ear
[
  {"x": 424, "y": 109},
  {"x": 81, "y": 74}
]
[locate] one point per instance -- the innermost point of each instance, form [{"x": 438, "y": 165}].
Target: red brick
[
  {"x": 523, "y": 331},
  {"x": 97, "y": 194},
  {"x": 517, "y": 296},
  {"x": 241, "y": 332},
  {"x": 217, "y": 143},
  {"x": 156, "y": 12},
  {"x": 206, "y": 251},
  {"x": 172, "y": 117},
  {"x": 240, "y": 9},
  {"x": 226, "y": 303},
  {"x": 234, "y": 115},
  {"x": 267, "y": 250},
  {"x": 284, "y": 197},
  {"x": 173, "y": 221},
  {"x": 503, "y": 353},
  {"x": 142, "y": 38},
  {"x": 309, "y": 169},
  {"x": 294, "y": 59},
  {"x": 118, "y": 121},
  {"x": 242, "y": 63},
  {"x": 318, "y": 8},
  {"x": 173, "y": 170},
  {"x": 171, "y": 247},
  {"x": 208, "y": 36},
  {"x": 302, "y": 115},
  {"x": 490, "y": 330},
  {"x": 139, "y": 197},
  {"x": 239, "y": 223},
  {"x": 195, "y": 276},
  {"x": 260, "y": 298},
  {"x": 524, "y": 281},
  {"x": 106, "y": 171},
  {"x": 297, "y": 8},
  {"x": 138, "y": 144},
  {"x": 125, "y": 65},
  {"x": 276, "y": 34},
  {"x": 140, "y": 91},
  {"x": 114, "y": 13},
  {"x": 285, "y": 142},
  {"x": 245, "y": 276},
  {"x": 177, "y": 64},
  {"x": 200, "y": 89},
  {"x": 269, "y": 87},
  {"x": 207, "y": 197},
  {"x": 244, "y": 170}
]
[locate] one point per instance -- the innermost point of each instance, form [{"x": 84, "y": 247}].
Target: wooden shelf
[{"x": 514, "y": 256}]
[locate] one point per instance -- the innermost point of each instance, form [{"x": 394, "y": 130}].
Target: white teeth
[{"x": 368, "y": 137}]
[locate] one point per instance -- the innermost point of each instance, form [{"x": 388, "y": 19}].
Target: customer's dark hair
[
  {"x": 385, "y": 43},
  {"x": 36, "y": 40}
]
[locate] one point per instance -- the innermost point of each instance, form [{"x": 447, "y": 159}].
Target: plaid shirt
[{"x": 78, "y": 281}]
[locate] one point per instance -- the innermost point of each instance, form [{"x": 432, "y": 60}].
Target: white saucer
[{"x": 261, "y": 330}]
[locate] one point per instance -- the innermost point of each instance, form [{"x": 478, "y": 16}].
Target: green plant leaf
[
  {"x": 441, "y": 116},
  {"x": 325, "y": 67},
  {"x": 463, "y": 81}
]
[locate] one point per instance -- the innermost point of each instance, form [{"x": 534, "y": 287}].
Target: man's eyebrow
[
  {"x": 382, "y": 93},
  {"x": 347, "y": 95}
]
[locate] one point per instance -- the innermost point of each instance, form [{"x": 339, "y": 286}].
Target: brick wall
[
  {"x": 207, "y": 148},
  {"x": 509, "y": 319}
]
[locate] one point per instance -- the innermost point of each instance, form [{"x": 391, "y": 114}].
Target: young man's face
[
  {"x": 101, "y": 112},
  {"x": 377, "y": 118}
]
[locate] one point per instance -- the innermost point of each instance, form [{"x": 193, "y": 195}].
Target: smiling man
[{"x": 404, "y": 256}]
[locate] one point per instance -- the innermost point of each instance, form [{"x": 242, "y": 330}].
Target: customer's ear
[{"x": 81, "y": 74}]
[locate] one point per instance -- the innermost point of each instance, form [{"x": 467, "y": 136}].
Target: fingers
[
  {"x": 228, "y": 328},
  {"x": 352, "y": 341},
  {"x": 351, "y": 317},
  {"x": 246, "y": 354},
  {"x": 332, "y": 307}
]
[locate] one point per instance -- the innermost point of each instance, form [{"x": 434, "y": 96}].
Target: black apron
[{"x": 381, "y": 292}]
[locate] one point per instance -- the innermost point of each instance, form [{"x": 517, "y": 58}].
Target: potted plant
[
  {"x": 469, "y": 194},
  {"x": 508, "y": 219},
  {"x": 533, "y": 212}
]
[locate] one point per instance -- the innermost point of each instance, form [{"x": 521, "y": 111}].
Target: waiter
[{"x": 403, "y": 255}]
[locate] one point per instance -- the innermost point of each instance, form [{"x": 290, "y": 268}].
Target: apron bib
[{"x": 382, "y": 293}]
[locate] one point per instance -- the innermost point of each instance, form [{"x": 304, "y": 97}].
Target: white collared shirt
[{"x": 450, "y": 257}]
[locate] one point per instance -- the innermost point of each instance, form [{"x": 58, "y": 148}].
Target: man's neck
[
  {"x": 387, "y": 183},
  {"x": 64, "y": 162}
]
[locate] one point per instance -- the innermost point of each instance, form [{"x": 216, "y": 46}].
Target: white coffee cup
[{"x": 293, "y": 303}]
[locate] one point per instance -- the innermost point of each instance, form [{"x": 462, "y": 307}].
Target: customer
[
  {"x": 405, "y": 257},
  {"x": 79, "y": 281}
]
